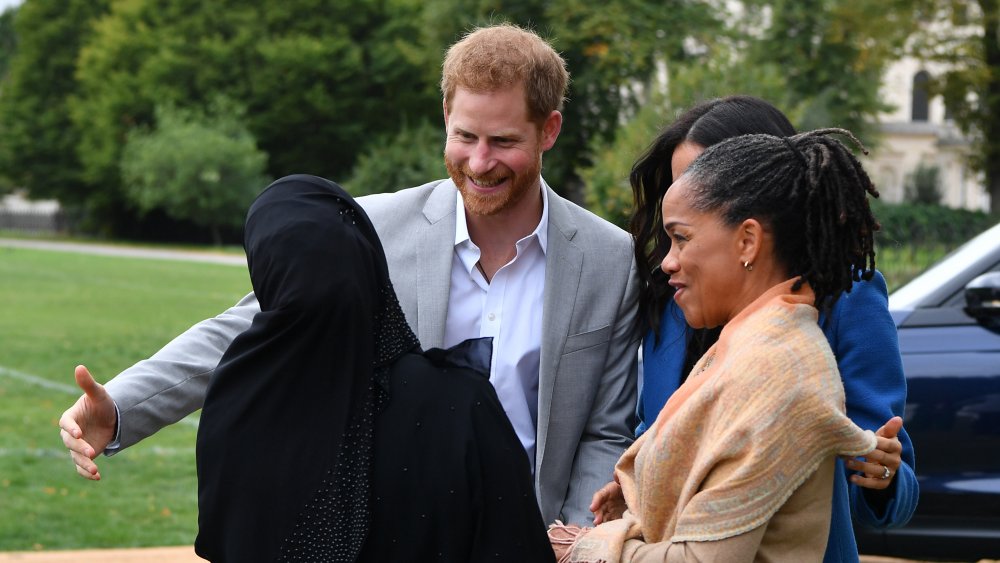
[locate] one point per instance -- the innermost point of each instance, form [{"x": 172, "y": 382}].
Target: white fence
[{"x": 22, "y": 215}]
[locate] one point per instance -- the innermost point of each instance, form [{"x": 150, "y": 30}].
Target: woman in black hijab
[{"x": 374, "y": 450}]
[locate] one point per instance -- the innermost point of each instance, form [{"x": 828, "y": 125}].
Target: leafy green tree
[
  {"x": 39, "y": 140},
  {"x": 8, "y": 46},
  {"x": 8, "y": 41},
  {"x": 969, "y": 48},
  {"x": 409, "y": 158},
  {"x": 819, "y": 61},
  {"x": 614, "y": 50},
  {"x": 319, "y": 79},
  {"x": 205, "y": 168},
  {"x": 606, "y": 182},
  {"x": 831, "y": 53}
]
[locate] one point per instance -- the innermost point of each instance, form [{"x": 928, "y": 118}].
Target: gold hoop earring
[{"x": 748, "y": 266}]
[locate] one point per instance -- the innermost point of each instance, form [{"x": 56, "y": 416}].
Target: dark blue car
[{"x": 948, "y": 320}]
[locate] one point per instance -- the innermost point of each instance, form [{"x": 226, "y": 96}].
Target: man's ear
[
  {"x": 750, "y": 240},
  {"x": 550, "y": 130}
]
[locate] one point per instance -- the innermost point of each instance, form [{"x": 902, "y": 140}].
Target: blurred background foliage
[{"x": 348, "y": 89}]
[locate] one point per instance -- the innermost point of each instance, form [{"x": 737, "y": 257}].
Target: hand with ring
[
  {"x": 879, "y": 467},
  {"x": 886, "y": 473}
]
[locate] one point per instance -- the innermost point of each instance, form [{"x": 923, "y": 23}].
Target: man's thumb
[{"x": 87, "y": 382}]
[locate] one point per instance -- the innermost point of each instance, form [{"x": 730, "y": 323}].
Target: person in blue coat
[{"x": 880, "y": 491}]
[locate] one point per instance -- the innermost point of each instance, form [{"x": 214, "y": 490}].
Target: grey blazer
[{"x": 587, "y": 375}]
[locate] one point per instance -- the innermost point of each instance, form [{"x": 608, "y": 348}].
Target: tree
[
  {"x": 819, "y": 61},
  {"x": 205, "y": 168},
  {"x": 968, "y": 46},
  {"x": 614, "y": 50},
  {"x": 319, "y": 79},
  {"x": 832, "y": 54},
  {"x": 8, "y": 41},
  {"x": 409, "y": 158},
  {"x": 8, "y": 46},
  {"x": 38, "y": 150}
]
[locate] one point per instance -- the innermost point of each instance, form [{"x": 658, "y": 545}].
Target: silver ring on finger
[{"x": 885, "y": 473}]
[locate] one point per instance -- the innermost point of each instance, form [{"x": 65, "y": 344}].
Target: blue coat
[{"x": 863, "y": 338}]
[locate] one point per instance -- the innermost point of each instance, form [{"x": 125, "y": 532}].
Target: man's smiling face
[{"x": 494, "y": 151}]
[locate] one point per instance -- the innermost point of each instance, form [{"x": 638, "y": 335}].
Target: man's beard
[{"x": 495, "y": 202}]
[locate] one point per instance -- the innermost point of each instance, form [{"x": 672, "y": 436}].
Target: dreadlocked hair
[{"x": 810, "y": 190}]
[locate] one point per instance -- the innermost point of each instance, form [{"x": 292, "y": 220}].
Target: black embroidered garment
[
  {"x": 327, "y": 435},
  {"x": 285, "y": 439}
]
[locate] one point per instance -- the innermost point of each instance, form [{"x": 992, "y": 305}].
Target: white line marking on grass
[
  {"x": 39, "y": 381},
  {"x": 126, "y": 251},
  {"x": 62, "y": 387}
]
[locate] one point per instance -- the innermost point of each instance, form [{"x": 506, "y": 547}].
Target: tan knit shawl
[{"x": 758, "y": 414}]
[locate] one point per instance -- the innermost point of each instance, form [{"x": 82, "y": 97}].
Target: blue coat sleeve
[
  {"x": 662, "y": 362},
  {"x": 863, "y": 338}
]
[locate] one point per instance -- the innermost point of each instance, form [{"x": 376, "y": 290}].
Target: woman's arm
[
  {"x": 732, "y": 550},
  {"x": 863, "y": 338}
]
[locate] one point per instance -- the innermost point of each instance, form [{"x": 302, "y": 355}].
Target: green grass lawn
[{"x": 60, "y": 310}]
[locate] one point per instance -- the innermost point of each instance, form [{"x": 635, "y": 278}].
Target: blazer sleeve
[
  {"x": 171, "y": 384},
  {"x": 608, "y": 431},
  {"x": 863, "y": 337}
]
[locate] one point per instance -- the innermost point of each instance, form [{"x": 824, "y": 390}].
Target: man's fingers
[
  {"x": 891, "y": 428},
  {"x": 77, "y": 446},
  {"x": 84, "y": 464},
  {"x": 87, "y": 475},
  {"x": 69, "y": 428}
]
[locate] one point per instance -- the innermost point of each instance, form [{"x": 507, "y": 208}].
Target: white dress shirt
[{"x": 508, "y": 308}]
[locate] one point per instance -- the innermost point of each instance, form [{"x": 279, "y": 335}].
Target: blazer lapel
[
  {"x": 563, "y": 267},
  {"x": 435, "y": 253}
]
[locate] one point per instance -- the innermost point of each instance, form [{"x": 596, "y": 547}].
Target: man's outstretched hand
[{"x": 88, "y": 426}]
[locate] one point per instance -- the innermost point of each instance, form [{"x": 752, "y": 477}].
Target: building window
[{"x": 921, "y": 101}]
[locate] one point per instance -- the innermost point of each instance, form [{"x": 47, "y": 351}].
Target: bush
[
  {"x": 914, "y": 236},
  {"x": 921, "y": 224},
  {"x": 606, "y": 181},
  {"x": 412, "y": 157},
  {"x": 202, "y": 168},
  {"x": 923, "y": 185}
]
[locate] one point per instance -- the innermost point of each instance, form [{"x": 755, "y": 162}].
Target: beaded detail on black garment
[
  {"x": 395, "y": 336},
  {"x": 348, "y": 214},
  {"x": 334, "y": 523}
]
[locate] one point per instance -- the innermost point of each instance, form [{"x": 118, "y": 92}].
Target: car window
[{"x": 957, "y": 299}]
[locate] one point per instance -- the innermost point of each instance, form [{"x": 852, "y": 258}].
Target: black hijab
[{"x": 284, "y": 470}]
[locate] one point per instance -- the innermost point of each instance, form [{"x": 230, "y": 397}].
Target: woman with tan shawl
[{"x": 738, "y": 466}]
